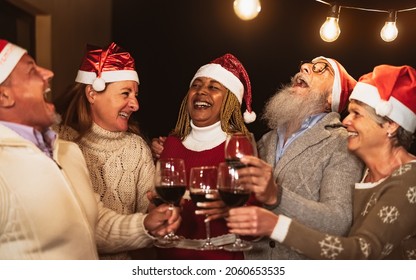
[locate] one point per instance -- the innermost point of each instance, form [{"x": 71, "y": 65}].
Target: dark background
[{"x": 170, "y": 40}]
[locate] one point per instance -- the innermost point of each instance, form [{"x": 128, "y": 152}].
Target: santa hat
[
  {"x": 229, "y": 71},
  {"x": 391, "y": 91},
  {"x": 342, "y": 87},
  {"x": 10, "y": 55},
  {"x": 100, "y": 66}
]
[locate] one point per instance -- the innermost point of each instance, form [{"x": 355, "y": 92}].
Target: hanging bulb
[
  {"x": 330, "y": 29},
  {"x": 247, "y": 9},
  {"x": 389, "y": 31}
]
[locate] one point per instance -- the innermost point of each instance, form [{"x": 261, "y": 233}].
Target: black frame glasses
[{"x": 318, "y": 67}]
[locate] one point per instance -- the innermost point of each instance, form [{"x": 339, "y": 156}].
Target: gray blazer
[{"x": 317, "y": 174}]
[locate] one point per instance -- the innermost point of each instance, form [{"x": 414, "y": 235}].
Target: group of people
[{"x": 323, "y": 187}]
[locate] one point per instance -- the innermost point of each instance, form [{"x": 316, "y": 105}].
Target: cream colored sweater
[{"x": 121, "y": 169}]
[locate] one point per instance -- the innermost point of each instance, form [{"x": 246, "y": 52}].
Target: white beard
[{"x": 286, "y": 108}]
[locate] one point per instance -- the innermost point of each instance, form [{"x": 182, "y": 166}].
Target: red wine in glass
[
  {"x": 200, "y": 196},
  {"x": 234, "y": 197},
  {"x": 171, "y": 194},
  {"x": 233, "y": 194}
]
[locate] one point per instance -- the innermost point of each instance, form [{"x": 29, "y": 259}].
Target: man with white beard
[{"x": 306, "y": 152}]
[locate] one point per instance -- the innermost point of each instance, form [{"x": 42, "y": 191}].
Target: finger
[
  {"x": 212, "y": 204},
  {"x": 210, "y": 218},
  {"x": 161, "y": 140},
  {"x": 215, "y": 211}
]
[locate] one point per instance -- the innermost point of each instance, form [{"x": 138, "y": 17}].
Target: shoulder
[
  {"x": 66, "y": 147},
  {"x": 268, "y": 136},
  {"x": 65, "y": 132}
]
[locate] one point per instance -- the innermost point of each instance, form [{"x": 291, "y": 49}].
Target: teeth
[
  {"x": 202, "y": 103},
  {"x": 47, "y": 94},
  {"x": 352, "y": 134},
  {"x": 123, "y": 114},
  {"x": 301, "y": 82}
]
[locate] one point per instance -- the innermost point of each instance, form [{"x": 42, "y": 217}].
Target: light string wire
[{"x": 366, "y": 9}]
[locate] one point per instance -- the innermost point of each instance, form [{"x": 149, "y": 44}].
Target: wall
[
  {"x": 74, "y": 23},
  {"x": 170, "y": 40}
]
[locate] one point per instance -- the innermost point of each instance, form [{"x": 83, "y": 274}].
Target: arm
[
  {"x": 115, "y": 232},
  {"x": 384, "y": 228},
  {"x": 317, "y": 189}
]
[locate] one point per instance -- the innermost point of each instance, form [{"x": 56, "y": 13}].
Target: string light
[
  {"x": 389, "y": 31},
  {"x": 247, "y": 9},
  {"x": 330, "y": 29}
]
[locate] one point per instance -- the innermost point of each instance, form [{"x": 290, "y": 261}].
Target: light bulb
[
  {"x": 389, "y": 31},
  {"x": 247, "y": 9},
  {"x": 330, "y": 29}
]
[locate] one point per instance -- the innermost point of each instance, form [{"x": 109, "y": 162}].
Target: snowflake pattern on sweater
[{"x": 384, "y": 224}]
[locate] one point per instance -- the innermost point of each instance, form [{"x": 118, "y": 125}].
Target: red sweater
[{"x": 192, "y": 225}]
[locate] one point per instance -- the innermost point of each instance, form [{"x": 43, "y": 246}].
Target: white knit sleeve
[{"x": 116, "y": 233}]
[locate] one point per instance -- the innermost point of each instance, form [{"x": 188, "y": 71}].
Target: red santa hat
[
  {"x": 230, "y": 72},
  {"x": 10, "y": 55},
  {"x": 391, "y": 91},
  {"x": 101, "y": 66},
  {"x": 342, "y": 87}
]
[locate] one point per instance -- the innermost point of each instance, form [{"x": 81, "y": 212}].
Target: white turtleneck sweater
[{"x": 204, "y": 138}]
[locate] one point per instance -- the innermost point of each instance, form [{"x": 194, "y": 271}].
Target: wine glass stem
[
  {"x": 171, "y": 235},
  {"x": 237, "y": 240},
  {"x": 208, "y": 231}
]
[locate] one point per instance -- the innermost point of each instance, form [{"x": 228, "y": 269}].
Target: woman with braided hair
[{"x": 209, "y": 112}]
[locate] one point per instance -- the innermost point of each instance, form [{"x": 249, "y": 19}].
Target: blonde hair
[
  {"x": 75, "y": 110},
  {"x": 230, "y": 116}
]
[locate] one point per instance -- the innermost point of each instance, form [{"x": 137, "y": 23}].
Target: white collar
[{"x": 204, "y": 138}]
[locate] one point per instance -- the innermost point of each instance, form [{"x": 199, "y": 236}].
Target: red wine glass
[
  {"x": 170, "y": 185},
  {"x": 234, "y": 195},
  {"x": 203, "y": 181}
]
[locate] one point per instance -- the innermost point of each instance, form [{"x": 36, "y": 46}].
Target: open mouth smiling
[
  {"x": 123, "y": 115},
  {"x": 299, "y": 82},
  {"x": 202, "y": 105}
]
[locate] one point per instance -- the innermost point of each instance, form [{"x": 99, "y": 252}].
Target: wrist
[{"x": 274, "y": 204}]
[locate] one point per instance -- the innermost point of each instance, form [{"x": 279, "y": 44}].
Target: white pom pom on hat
[
  {"x": 98, "y": 84},
  {"x": 230, "y": 72},
  {"x": 101, "y": 66}
]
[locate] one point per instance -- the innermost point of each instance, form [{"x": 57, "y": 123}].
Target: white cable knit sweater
[{"x": 121, "y": 169}]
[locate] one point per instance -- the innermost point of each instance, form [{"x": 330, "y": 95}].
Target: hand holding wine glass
[
  {"x": 233, "y": 194},
  {"x": 170, "y": 185},
  {"x": 203, "y": 182},
  {"x": 238, "y": 145}
]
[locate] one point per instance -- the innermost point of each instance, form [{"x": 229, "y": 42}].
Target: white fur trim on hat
[
  {"x": 222, "y": 75},
  {"x": 336, "y": 87},
  {"x": 88, "y": 78},
  {"x": 10, "y": 55},
  {"x": 392, "y": 108}
]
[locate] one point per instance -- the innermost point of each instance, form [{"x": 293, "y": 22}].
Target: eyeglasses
[{"x": 318, "y": 67}]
